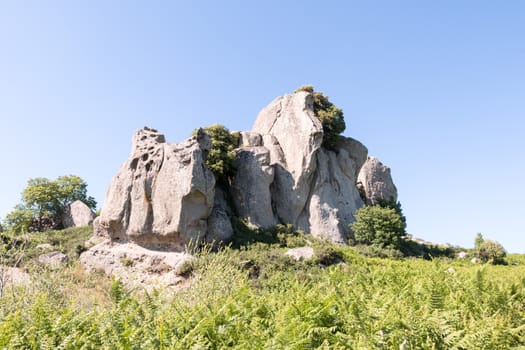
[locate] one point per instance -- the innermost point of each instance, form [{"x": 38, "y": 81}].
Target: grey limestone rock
[
  {"x": 301, "y": 253},
  {"x": 375, "y": 182},
  {"x": 163, "y": 195},
  {"x": 53, "y": 259},
  {"x": 314, "y": 189},
  {"x": 291, "y": 120},
  {"x": 77, "y": 214}
]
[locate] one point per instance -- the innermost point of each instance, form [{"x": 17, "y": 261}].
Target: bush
[
  {"x": 331, "y": 117},
  {"x": 379, "y": 226},
  {"x": 491, "y": 251},
  {"x": 221, "y": 157}
]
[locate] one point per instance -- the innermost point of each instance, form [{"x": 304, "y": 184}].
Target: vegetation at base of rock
[
  {"x": 489, "y": 251},
  {"x": 331, "y": 116},
  {"x": 258, "y": 298},
  {"x": 69, "y": 241},
  {"x": 44, "y": 201},
  {"x": 221, "y": 157},
  {"x": 379, "y": 226}
]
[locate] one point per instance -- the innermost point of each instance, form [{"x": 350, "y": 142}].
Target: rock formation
[
  {"x": 375, "y": 182},
  {"x": 165, "y": 196},
  {"x": 78, "y": 214}
]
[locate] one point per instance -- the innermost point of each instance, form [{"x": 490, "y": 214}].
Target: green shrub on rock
[
  {"x": 221, "y": 157},
  {"x": 331, "y": 116}
]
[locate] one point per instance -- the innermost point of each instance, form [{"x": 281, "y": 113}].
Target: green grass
[{"x": 254, "y": 297}]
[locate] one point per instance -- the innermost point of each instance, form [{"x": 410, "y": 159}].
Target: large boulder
[
  {"x": 375, "y": 182},
  {"x": 53, "y": 259},
  {"x": 162, "y": 195},
  {"x": 77, "y": 214}
]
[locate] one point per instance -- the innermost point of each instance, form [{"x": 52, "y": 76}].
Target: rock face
[
  {"x": 219, "y": 225},
  {"x": 250, "y": 188},
  {"x": 163, "y": 195},
  {"x": 78, "y": 214},
  {"x": 53, "y": 259},
  {"x": 375, "y": 182}
]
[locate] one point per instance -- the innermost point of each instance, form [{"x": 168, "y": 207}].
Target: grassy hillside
[{"x": 254, "y": 297}]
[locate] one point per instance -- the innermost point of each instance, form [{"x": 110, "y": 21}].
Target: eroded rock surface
[
  {"x": 314, "y": 189},
  {"x": 291, "y": 120},
  {"x": 78, "y": 214},
  {"x": 138, "y": 267},
  {"x": 163, "y": 195},
  {"x": 375, "y": 182},
  {"x": 250, "y": 187},
  {"x": 219, "y": 225}
]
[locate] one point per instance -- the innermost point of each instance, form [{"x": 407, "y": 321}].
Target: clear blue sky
[{"x": 436, "y": 90}]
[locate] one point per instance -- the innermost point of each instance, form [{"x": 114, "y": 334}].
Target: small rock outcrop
[
  {"x": 163, "y": 195},
  {"x": 77, "y": 214},
  {"x": 300, "y": 253},
  {"x": 137, "y": 266},
  {"x": 375, "y": 182},
  {"x": 53, "y": 259}
]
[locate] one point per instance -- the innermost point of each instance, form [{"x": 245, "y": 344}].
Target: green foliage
[
  {"x": 43, "y": 202},
  {"x": 478, "y": 241},
  {"x": 221, "y": 157},
  {"x": 391, "y": 203},
  {"x": 282, "y": 235},
  {"x": 491, "y": 251},
  {"x": 331, "y": 117},
  {"x": 379, "y": 226},
  {"x": 374, "y": 251},
  {"x": 69, "y": 241},
  {"x": 19, "y": 220},
  {"x": 256, "y": 298}
]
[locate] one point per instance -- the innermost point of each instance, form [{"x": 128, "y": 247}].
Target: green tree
[
  {"x": 478, "y": 241},
  {"x": 491, "y": 251},
  {"x": 19, "y": 220},
  {"x": 44, "y": 201},
  {"x": 331, "y": 116},
  {"x": 72, "y": 188},
  {"x": 221, "y": 156},
  {"x": 379, "y": 226},
  {"x": 391, "y": 203}
]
